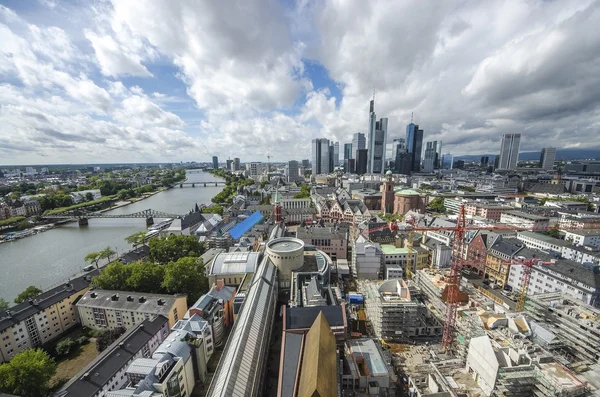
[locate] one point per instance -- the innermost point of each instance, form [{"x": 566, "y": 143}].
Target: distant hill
[{"x": 561, "y": 154}]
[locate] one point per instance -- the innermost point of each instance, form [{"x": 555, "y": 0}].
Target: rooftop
[
  {"x": 130, "y": 301},
  {"x": 235, "y": 263},
  {"x": 330, "y": 232},
  {"x": 285, "y": 244},
  {"x": 389, "y": 249},
  {"x": 366, "y": 349},
  {"x": 111, "y": 360},
  {"x": 304, "y": 317},
  {"x": 525, "y": 215},
  {"x": 247, "y": 224}
]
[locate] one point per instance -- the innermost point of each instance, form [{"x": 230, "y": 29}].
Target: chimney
[{"x": 220, "y": 284}]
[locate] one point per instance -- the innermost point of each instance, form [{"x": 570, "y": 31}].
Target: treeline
[{"x": 233, "y": 183}]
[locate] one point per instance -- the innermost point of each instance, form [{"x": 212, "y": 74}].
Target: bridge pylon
[
  {"x": 149, "y": 221},
  {"x": 83, "y": 221}
]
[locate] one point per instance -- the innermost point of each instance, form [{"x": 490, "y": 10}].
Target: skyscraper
[
  {"x": 320, "y": 156},
  {"x": 547, "y": 158},
  {"x": 447, "y": 161},
  {"x": 336, "y": 155},
  {"x": 509, "y": 151},
  {"x": 236, "y": 164},
  {"x": 414, "y": 144},
  {"x": 215, "y": 162},
  {"x": 484, "y": 161},
  {"x": 358, "y": 142},
  {"x": 229, "y": 165},
  {"x": 430, "y": 161},
  {"x": 293, "y": 174},
  {"x": 377, "y": 140},
  {"x": 347, "y": 151},
  {"x": 398, "y": 143},
  {"x": 361, "y": 161}
]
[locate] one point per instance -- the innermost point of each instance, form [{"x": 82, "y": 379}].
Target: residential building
[
  {"x": 525, "y": 220},
  {"x": 42, "y": 319},
  {"x": 499, "y": 258},
  {"x": 82, "y": 195},
  {"x": 394, "y": 314},
  {"x": 216, "y": 308},
  {"x": 105, "y": 309},
  {"x": 243, "y": 363},
  {"x": 320, "y": 156},
  {"x": 256, "y": 168},
  {"x": 476, "y": 246},
  {"x": 509, "y": 151},
  {"x": 393, "y": 255},
  {"x": 432, "y": 152},
  {"x": 333, "y": 240},
  {"x": 107, "y": 372},
  {"x": 486, "y": 211},
  {"x": 215, "y": 162},
  {"x": 414, "y": 145},
  {"x": 32, "y": 207},
  {"x": 559, "y": 247},
  {"x": 407, "y": 199},
  {"x": 359, "y": 142},
  {"x": 575, "y": 280},
  {"x": 377, "y": 141},
  {"x": 547, "y": 158},
  {"x": 583, "y": 237}
]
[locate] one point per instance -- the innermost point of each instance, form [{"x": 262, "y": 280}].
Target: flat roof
[
  {"x": 292, "y": 350},
  {"x": 285, "y": 244},
  {"x": 304, "y": 317},
  {"x": 368, "y": 350},
  {"x": 525, "y": 215},
  {"x": 130, "y": 301},
  {"x": 390, "y": 249}
]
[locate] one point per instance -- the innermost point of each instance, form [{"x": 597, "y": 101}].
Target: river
[{"x": 49, "y": 258}]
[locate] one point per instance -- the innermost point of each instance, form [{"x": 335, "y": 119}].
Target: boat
[{"x": 161, "y": 225}]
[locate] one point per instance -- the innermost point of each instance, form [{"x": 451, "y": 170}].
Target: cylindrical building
[{"x": 287, "y": 254}]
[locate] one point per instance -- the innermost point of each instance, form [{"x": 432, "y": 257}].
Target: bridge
[
  {"x": 203, "y": 184},
  {"x": 82, "y": 215}
]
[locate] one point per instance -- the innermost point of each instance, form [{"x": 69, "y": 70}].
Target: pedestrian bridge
[{"x": 82, "y": 215}]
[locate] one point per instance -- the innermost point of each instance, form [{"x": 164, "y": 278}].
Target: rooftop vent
[
  {"x": 115, "y": 297},
  {"x": 93, "y": 295},
  {"x": 161, "y": 302},
  {"x": 129, "y": 298},
  {"x": 142, "y": 299}
]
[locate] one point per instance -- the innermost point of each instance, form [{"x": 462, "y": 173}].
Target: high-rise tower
[
  {"x": 547, "y": 158},
  {"x": 377, "y": 140},
  {"x": 320, "y": 156},
  {"x": 359, "y": 142},
  {"x": 509, "y": 151},
  {"x": 414, "y": 145}
]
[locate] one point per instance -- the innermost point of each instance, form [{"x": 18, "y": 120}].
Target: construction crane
[{"x": 453, "y": 281}]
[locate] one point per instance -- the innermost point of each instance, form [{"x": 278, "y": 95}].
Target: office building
[
  {"x": 403, "y": 162},
  {"x": 447, "y": 161},
  {"x": 547, "y": 158},
  {"x": 350, "y": 166},
  {"x": 294, "y": 171},
  {"x": 108, "y": 371},
  {"x": 256, "y": 168},
  {"x": 215, "y": 162},
  {"x": 367, "y": 260},
  {"x": 509, "y": 151},
  {"x": 336, "y": 155},
  {"x": 397, "y": 144},
  {"x": 414, "y": 145},
  {"x": 229, "y": 165},
  {"x": 332, "y": 240},
  {"x": 236, "y": 164},
  {"x": 431, "y": 160},
  {"x": 361, "y": 161},
  {"x": 320, "y": 156},
  {"x": 104, "y": 309},
  {"x": 42, "y": 319},
  {"x": 485, "y": 160},
  {"x": 359, "y": 142},
  {"x": 347, "y": 151},
  {"x": 523, "y": 219},
  {"x": 377, "y": 141},
  {"x": 305, "y": 164}
]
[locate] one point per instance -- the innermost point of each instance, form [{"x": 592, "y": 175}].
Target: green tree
[
  {"x": 107, "y": 253},
  {"x": 213, "y": 209},
  {"x": 106, "y": 338},
  {"x": 4, "y": 306},
  {"x": 65, "y": 346},
  {"x": 145, "y": 277},
  {"x": 28, "y": 374},
  {"x": 93, "y": 258},
  {"x": 89, "y": 196},
  {"x": 437, "y": 204},
  {"x": 171, "y": 248},
  {"x": 114, "y": 276},
  {"x": 186, "y": 276},
  {"x": 304, "y": 192},
  {"x": 137, "y": 238},
  {"x": 29, "y": 293}
]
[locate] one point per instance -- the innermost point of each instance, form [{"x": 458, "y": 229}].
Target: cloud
[{"x": 115, "y": 59}]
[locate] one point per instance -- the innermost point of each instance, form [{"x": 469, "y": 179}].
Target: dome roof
[{"x": 389, "y": 172}]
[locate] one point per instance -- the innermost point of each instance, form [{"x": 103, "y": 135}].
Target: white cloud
[{"x": 115, "y": 59}]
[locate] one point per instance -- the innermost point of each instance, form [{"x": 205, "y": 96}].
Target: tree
[
  {"x": 137, "y": 238},
  {"x": 145, "y": 277},
  {"x": 89, "y": 196},
  {"x": 186, "y": 276},
  {"x": 554, "y": 232},
  {"x": 4, "y": 306},
  {"x": 114, "y": 276},
  {"x": 65, "y": 346},
  {"x": 27, "y": 374},
  {"x": 437, "y": 204},
  {"x": 106, "y": 253},
  {"x": 93, "y": 257},
  {"x": 171, "y": 248},
  {"x": 304, "y": 192},
  {"x": 107, "y": 338},
  {"x": 213, "y": 209},
  {"x": 29, "y": 293}
]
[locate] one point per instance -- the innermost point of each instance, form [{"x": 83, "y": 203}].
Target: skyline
[{"x": 110, "y": 82}]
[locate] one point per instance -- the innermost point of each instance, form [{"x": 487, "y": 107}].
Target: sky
[{"x": 86, "y": 81}]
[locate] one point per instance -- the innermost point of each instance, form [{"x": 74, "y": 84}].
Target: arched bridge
[{"x": 83, "y": 215}]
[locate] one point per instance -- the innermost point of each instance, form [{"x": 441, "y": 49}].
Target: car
[
  {"x": 88, "y": 268},
  {"x": 467, "y": 271}
]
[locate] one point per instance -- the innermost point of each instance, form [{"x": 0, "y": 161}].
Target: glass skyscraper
[
  {"x": 377, "y": 140},
  {"x": 509, "y": 151},
  {"x": 414, "y": 145}
]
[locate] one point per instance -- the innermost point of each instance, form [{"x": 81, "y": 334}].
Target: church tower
[{"x": 387, "y": 194}]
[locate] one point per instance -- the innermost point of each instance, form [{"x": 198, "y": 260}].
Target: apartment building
[
  {"x": 392, "y": 255},
  {"x": 525, "y": 220},
  {"x": 105, "y": 309},
  {"x": 42, "y": 319},
  {"x": 394, "y": 314},
  {"x": 475, "y": 250},
  {"x": 499, "y": 258},
  {"x": 107, "y": 372},
  {"x": 487, "y": 211},
  {"x": 583, "y": 237},
  {"x": 575, "y": 280},
  {"x": 580, "y": 220},
  {"x": 559, "y": 247}
]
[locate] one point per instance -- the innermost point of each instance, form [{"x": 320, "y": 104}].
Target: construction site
[{"x": 452, "y": 331}]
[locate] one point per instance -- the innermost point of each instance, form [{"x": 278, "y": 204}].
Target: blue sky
[{"x": 117, "y": 81}]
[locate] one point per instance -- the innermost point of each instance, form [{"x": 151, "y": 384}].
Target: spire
[{"x": 276, "y": 196}]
